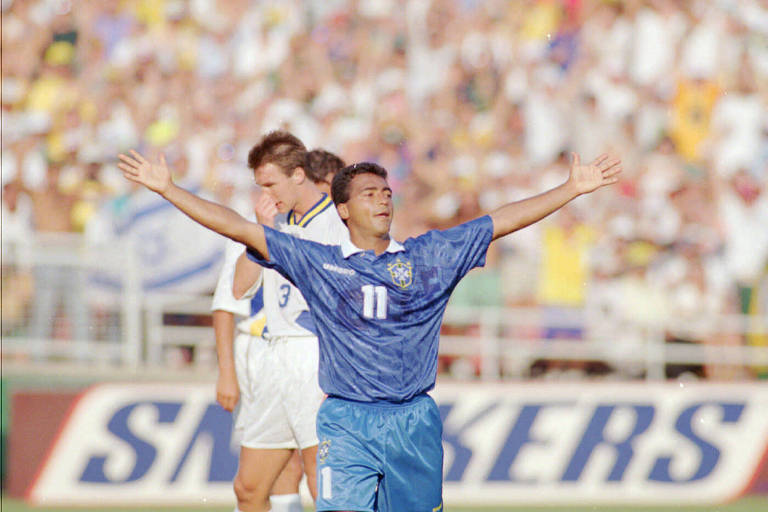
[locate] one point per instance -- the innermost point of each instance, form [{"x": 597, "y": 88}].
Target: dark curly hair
[{"x": 340, "y": 185}]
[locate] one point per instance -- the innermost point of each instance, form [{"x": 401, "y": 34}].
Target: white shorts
[{"x": 279, "y": 393}]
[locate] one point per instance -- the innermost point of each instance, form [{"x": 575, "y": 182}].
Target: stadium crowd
[{"x": 467, "y": 103}]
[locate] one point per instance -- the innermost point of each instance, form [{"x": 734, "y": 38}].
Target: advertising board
[{"x": 511, "y": 443}]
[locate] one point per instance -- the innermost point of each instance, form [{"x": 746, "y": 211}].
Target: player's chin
[{"x": 382, "y": 223}]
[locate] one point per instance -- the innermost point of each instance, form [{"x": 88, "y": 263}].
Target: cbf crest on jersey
[{"x": 402, "y": 273}]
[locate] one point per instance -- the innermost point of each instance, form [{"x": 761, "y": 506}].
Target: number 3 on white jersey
[{"x": 374, "y": 297}]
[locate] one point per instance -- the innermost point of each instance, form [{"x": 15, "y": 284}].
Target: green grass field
[{"x": 751, "y": 504}]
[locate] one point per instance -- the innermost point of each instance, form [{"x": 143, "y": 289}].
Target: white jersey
[
  {"x": 249, "y": 310},
  {"x": 287, "y": 311}
]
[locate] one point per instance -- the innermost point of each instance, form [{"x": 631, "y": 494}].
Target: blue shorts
[{"x": 380, "y": 456}]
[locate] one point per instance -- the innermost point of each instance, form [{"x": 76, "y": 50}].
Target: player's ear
[
  {"x": 343, "y": 211},
  {"x": 298, "y": 175}
]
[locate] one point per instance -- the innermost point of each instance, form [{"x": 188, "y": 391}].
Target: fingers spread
[
  {"x": 609, "y": 163},
  {"x": 138, "y": 156},
  {"x": 131, "y": 177},
  {"x": 128, "y": 160},
  {"x": 612, "y": 172},
  {"x": 128, "y": 169},
  {"x": 600, "y": 159}
]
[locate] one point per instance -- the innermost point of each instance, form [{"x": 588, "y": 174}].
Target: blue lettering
[
  {"x": 709, "y": 453},
  {"x": 519, "y": 436},
  {"x": 216, "y": 425},
  {"x": 286, "y": 293},
  {"x": 594, "y": 436},
  {"x": 145, "y": 452},
  {"x": 462, "y": 454}
]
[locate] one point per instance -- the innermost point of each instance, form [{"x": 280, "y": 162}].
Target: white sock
[
  {"x": 286, "y": 503},
  {"x": 238, "y": 510}
]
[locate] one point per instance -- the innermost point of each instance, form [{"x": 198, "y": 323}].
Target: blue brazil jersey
[{"x": 378, "y": 317}]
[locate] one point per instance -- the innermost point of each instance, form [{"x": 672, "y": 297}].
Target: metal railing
[
  {"x": 138, "y": 331},
  {"x": 497, "y": 346},
  {"x": 106, "y": 328}
]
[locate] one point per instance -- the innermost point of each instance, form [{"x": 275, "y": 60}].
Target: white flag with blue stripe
[{"x": 173, "y": 253}]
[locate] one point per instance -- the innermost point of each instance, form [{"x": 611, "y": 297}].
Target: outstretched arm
[
  {"x": 157, "y": 178},
  {"x": 582, "y": 180}
]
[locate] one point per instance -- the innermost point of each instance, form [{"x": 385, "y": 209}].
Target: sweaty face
[
  {"x": 277, "y": 185},
  {"x": 370, "y": 205}
]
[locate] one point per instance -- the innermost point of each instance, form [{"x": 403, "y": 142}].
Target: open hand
[
  {"x": 601, "y": 172},
  {"x": 138, "y": 169}
]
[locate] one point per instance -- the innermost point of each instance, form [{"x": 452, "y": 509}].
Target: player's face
[
  {"x": 369, "y": 208},
  {"x": 278, "y": 186}
]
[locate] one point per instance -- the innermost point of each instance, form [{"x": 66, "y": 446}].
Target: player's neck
[
  {"x": 308, "y": 198},
  {"x": 369, "y": 242}
]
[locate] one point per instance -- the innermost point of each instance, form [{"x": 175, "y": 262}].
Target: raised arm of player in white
[
  {"x": 227, "y": 222},
  {"x": 582, "y": 180}
]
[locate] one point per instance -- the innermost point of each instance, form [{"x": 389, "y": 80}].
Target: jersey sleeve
[
  {"x": 223, "y": 300},
  {"x": 460, "y": 248},
  {"x": 291, "y": 256},
  {"x": 255, "y": 287}
]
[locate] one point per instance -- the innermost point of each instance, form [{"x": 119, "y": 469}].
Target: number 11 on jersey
[{"x": 374, "y": 297}]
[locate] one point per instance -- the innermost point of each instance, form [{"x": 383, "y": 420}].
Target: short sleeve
[
  {"x": 255, "y": 287},
  {"x": 460, "y": 248},
  {"x": 223, "y": 300},
  {"x": 291, "y": 256}
]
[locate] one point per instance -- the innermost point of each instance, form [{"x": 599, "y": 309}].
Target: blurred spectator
[
  {"x": 468, "y": 104},
  {"x": 691, "y": 112},
  {"x": 563, "y": 279},
  {"x": 17, "y": 285},
  {"x": 737, "y": 123},
  {"x": 16, "y": 214},
  {"x": 743, "y": 208},
  {"x": 658, "y": 29},
  {"x": 57, "y": 285}
]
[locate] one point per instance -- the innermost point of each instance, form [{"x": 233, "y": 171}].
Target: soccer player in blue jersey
[{"x": 377, "y": 305}]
